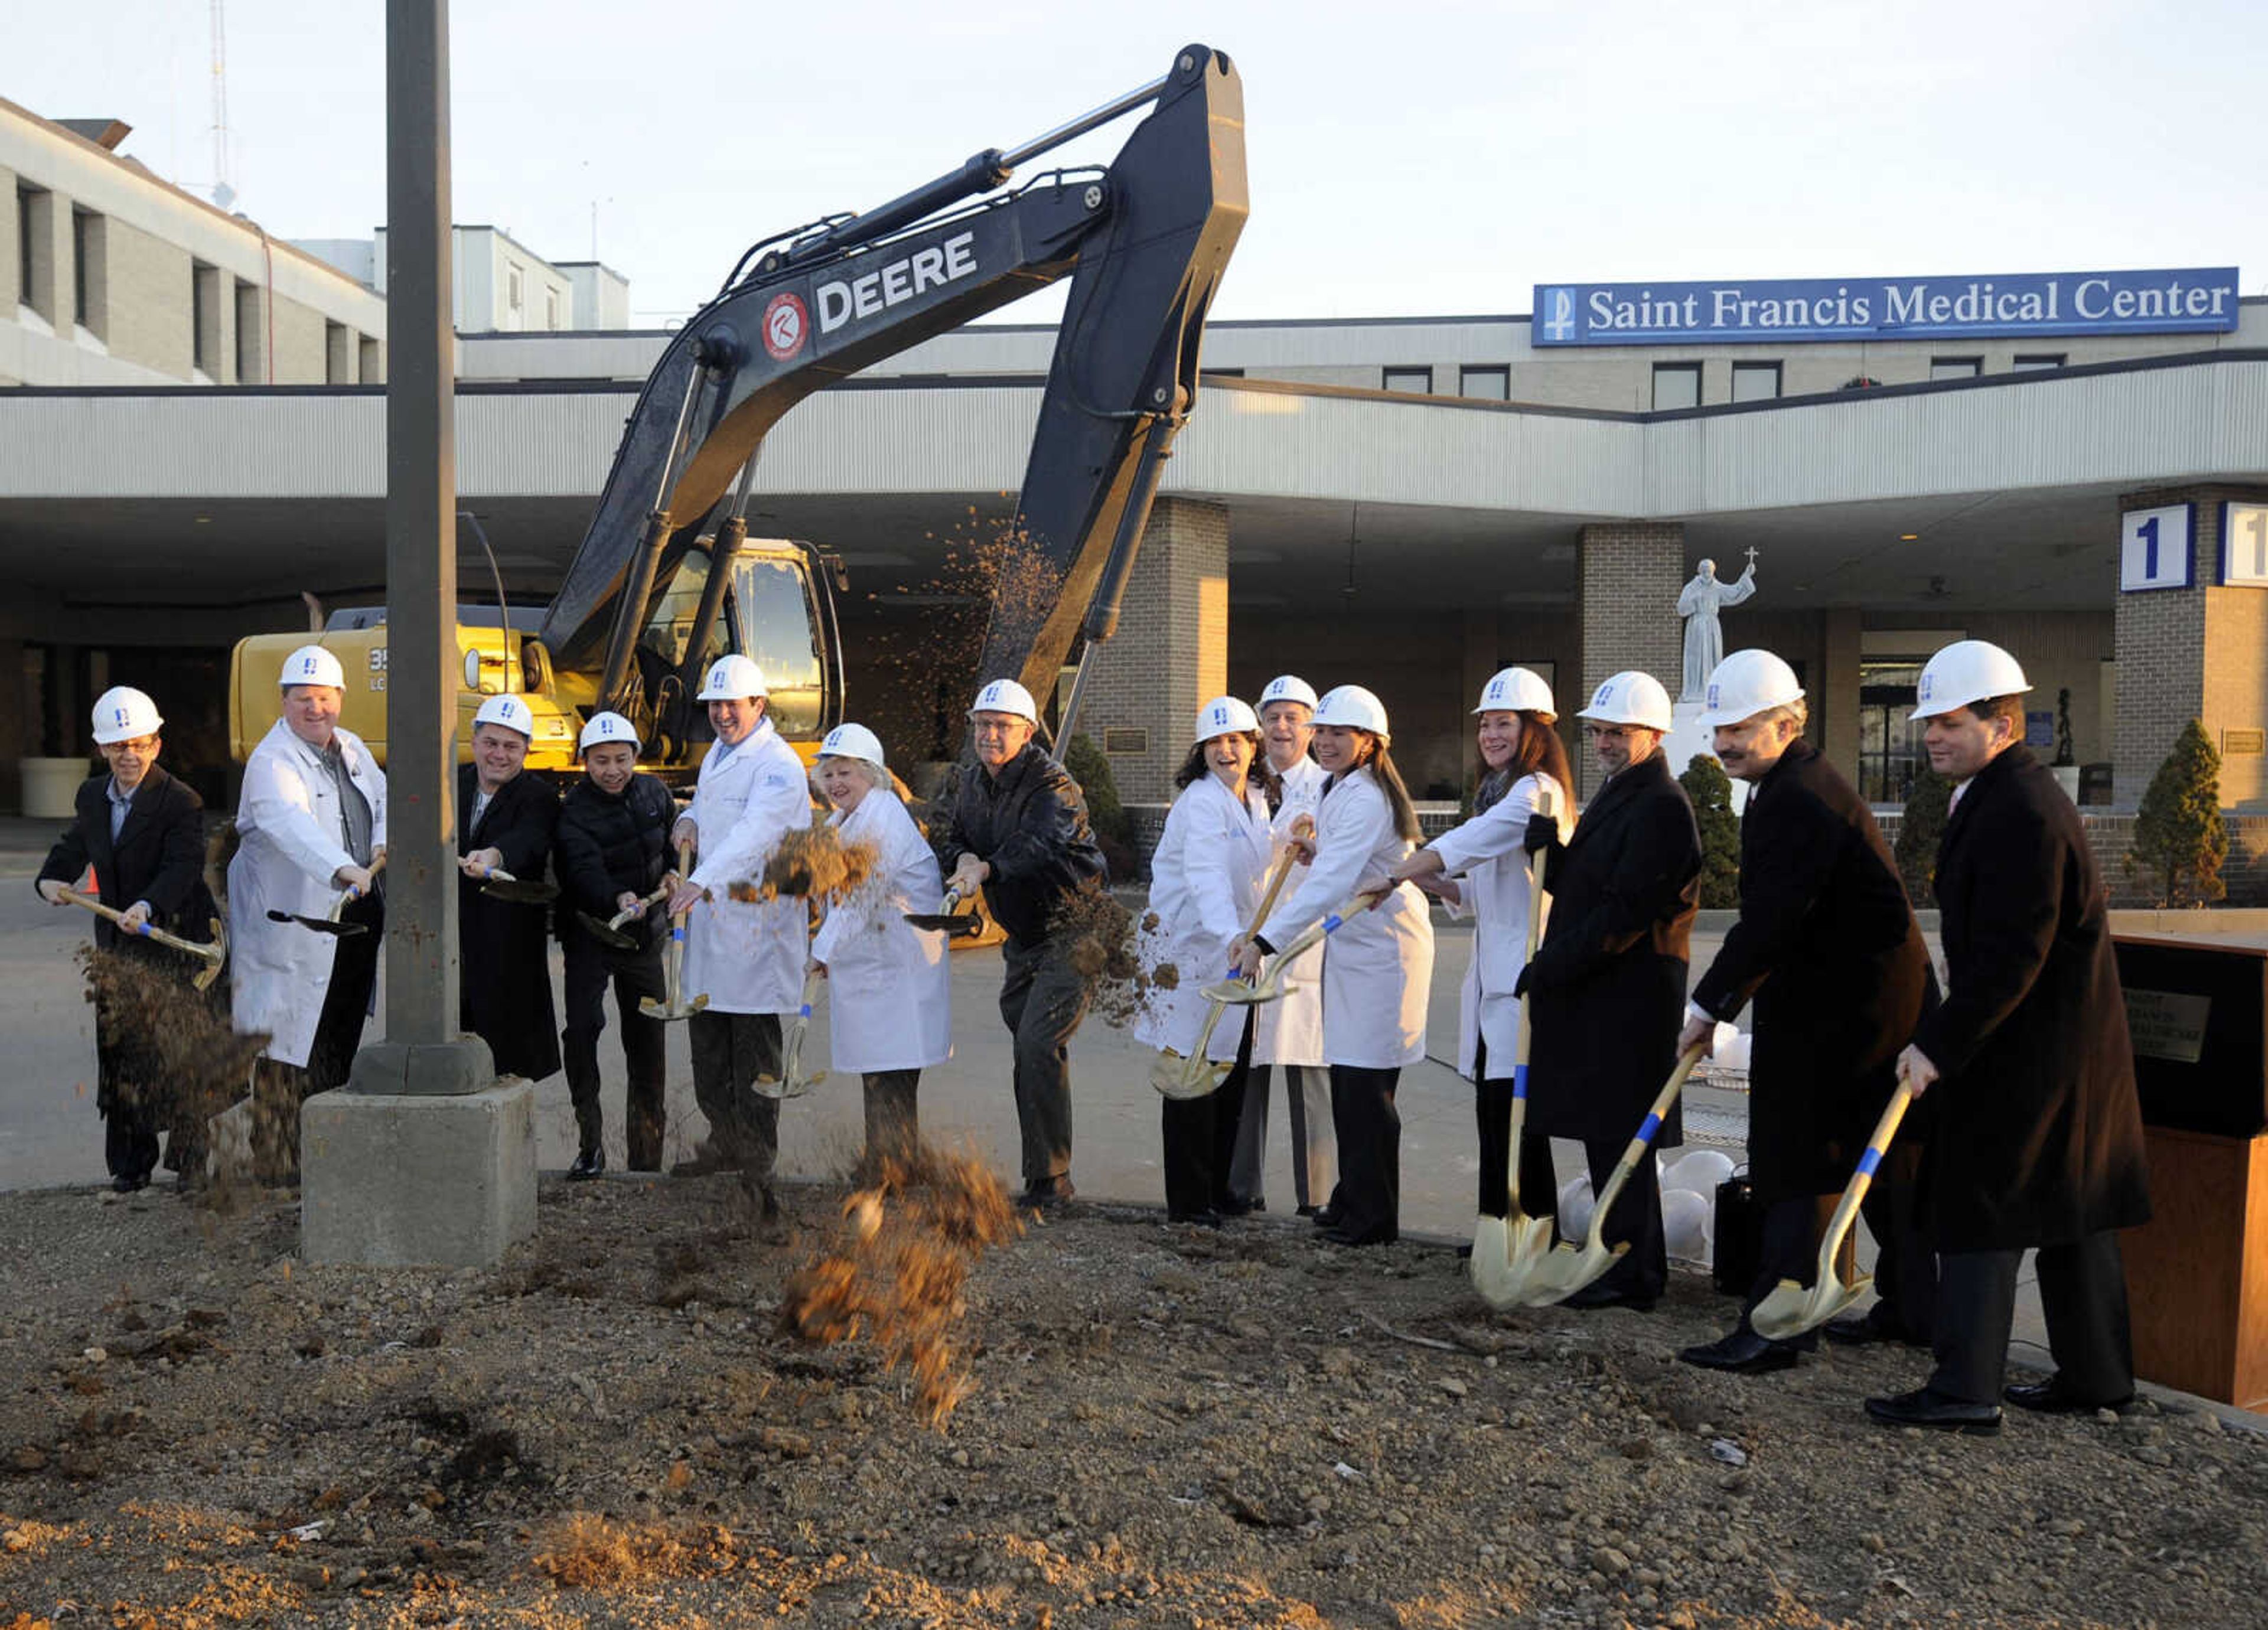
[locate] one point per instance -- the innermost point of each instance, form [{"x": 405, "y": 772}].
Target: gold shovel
[
  {"x": 500, "y": 884},
  {"x": 1790, "y": 1308},
  {"x": 792, "y": 1082},
  {"x": 673, "y": 1005},
  {"x": 610, "y": 932},
  {"x": 1567, "y": 1268},
  {"x": 330, "y": 922},
  {"x": 214, "y": 956},
  {"x": 1271, "y": 985},
  {"x": 1507, "y": 1249},
  {"x": 1197, "y": 1075}
]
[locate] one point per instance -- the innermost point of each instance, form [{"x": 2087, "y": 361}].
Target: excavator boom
[{"x": 1144, "y": 242}]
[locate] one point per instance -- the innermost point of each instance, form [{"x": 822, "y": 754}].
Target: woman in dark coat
[
  {"x": 1607, "y": 984},
  {"x": 505, "y": 820},
  {"x": 2028, "y": 1065}
]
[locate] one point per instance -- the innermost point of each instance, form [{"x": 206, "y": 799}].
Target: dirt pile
[
  {"x": 897, "y": 1273},
  {"x": 814, "y": 860}
]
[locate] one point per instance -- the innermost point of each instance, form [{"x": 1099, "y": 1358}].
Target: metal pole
[{"x": 421, "y": 536}]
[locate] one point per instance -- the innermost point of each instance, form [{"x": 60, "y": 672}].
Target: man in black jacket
[
  {"x": 1609, "y": 981},
  {"x": 143, "y": 833},
  {"x": 1828, "y": 947},
  {"x": 613, "y": 851},
  {"x": 505, "y": 822},
  {"x": 2028, "y": 1062},
  {"x": 1019, "y": 832}
]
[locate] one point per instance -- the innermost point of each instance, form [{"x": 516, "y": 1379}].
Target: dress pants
[
  {"x": 892, "y": 1121},
  {"x": 2083, "y": 1296},
  {"x": 279, "y": 1089},
  {"x": 1200, "y": 1137},
  {"x": 1539, "y": 1179},
  {"x": 1788, "y": 1249},
  {"x": 1368, "y": 1200},
  {"x": 1314, "y": 1150},
  {"x": 591, "y": 967},
  {"x": 1905, "y": 1259},
  {"x": 1643, "y": 1271},
  {"x": 730, "y": 1050},
  {"x": 1043, "y": 998}
]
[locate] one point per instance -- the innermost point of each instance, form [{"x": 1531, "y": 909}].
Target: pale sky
[{"x": 1420, "y": 157}]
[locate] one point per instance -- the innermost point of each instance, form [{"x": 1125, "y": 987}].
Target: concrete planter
[{"x": 51, "y": 787}]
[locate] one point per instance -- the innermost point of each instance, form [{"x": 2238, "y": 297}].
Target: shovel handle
[
  {"x": 640, "y": 908},
  {"x": 158, "y": 936},
  {"x": 1846, "y": 1209},
  {"x": 1640, "y": 1141}
]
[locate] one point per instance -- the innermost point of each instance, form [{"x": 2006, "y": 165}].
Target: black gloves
[{"x": 1543, "y": 832}]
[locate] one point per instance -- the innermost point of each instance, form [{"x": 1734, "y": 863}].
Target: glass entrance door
[{"x": 1889, "y": 743}]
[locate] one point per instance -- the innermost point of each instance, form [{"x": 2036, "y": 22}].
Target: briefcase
[{"x": 1738, "y": 1239}]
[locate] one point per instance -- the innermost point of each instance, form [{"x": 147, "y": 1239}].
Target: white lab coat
[
  {"x": 290, "y": 846},
  {"x": 1206, "y": 880},
  {"x": 1488, "y": 856},
  {"x": 746, "y": 957},
  {"x": 890, "y": 990},
  {"x": 1290, "y": 1030},
  {"x": 1377, "y": 967}
]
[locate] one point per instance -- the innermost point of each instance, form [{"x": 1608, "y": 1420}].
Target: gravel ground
[{"x": 1164, "y": 1426}]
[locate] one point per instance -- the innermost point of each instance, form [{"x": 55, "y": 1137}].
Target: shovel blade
[
  {"x": 959, "y": 925},
  {"x": 1507, "y": 1252},
  {"x": 606, "y": 934},
  {"x": 518, "y": 893},
  {"x": 320, "y": 925},
  {"x": 1236, "y": 993},
  {"x": 1790, "y": 1309},
  {"x": 1567, "y": 1270}
]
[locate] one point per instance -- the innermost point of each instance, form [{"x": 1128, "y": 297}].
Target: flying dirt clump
[
  {"x": 897, "y": 1274},
  {"x": 811, "y": 861},
  {"x": 1114, "y": 951}
]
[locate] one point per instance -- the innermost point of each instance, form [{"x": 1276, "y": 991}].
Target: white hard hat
[
  {"x": 510, "y": 712},
  {"x": 605, "y": 728},
  {"x": 122, "y": 713},
  {"x": 312, "y": 665},
  {"x": 1966, "y": 671},
  {"x": 853, "y": 741},
  {"x": 1225, "y": 716},
  {"x": 1630, "y": 698},
  {"x": 1518, "y": 690},
  {"x": 1747, "y": 683},
  {"x": 1353, "y": 707},
  {"x": 730, "y": 678},
  {"x": 1289, "y": 688},
  {"x": 1005, "y": 696}
]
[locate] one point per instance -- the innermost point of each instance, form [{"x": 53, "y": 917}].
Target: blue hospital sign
[
  {"x": 2154, "y": 547},
  {"x": 2182, "y": 300},
  {"x": 2244, "y": 545}
]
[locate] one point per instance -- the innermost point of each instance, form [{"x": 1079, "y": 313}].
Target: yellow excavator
[{"x": 666, "y": 578}]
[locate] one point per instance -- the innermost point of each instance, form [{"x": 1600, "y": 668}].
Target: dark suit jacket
[
  {"x": 504, "y": 948},
  {"x": 2039, "y": 1133},
  {"x": 1607, "y": 988},
  {"x": 160, "y": 856},
  {"x": 1828, "y": 947}
]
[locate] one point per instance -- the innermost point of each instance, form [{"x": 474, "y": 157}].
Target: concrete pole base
[{"x": 406, "y": 1180}]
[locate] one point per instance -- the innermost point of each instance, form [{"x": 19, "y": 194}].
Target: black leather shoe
[
  {"x": 125, "y": 1184},
  {"x": 1307, "y": 1211},
  {"x": 1865, "y": 1330},
  {"x": 1047, "y": 1193},
  {"x": 1240, "y": 1208},
  {"x": 1373, "y": 1236},
  {"x": 2048, "y": 1398},
  {"x": 588, "y": 1164},
  {"x": 1205, "y": 1219},
  {"x": 1323, "y": 1217},
  {"x": 1598, "y": 1293},
  {"x": 1740, "y": 1353},
  {"x": 1937, "y": 1412}
]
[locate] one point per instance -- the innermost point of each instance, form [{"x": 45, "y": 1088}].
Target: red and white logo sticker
[{"x": 786, "y": 324}]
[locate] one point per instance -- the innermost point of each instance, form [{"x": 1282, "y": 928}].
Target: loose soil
[{"x": 1160, "y": 1425}]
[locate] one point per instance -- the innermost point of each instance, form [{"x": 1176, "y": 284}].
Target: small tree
[
  {"x": 2180, "y": 837},
  {"x": 1920, "y": 831},
  {"x": 1114, "y": 827},
  {"x": 2066, "y": 753},
  {"x": 1710, "y": 792}
]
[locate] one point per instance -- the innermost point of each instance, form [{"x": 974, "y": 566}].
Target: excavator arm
[{"x": 1144, "y": 242}]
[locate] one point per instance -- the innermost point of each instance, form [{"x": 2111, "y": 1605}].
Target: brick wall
[
  {"x": 2112, "y": 836},
  {"x": 1171, "y": 655},
  {"x": 1627, "y": 576}
]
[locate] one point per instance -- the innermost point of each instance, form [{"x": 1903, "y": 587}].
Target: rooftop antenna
[{"x": 223, "y": 194}]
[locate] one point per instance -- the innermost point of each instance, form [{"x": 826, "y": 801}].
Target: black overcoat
[
  {"x": 1828, "y": 947},
  {"x": 506, "y": 973},
  {"x": 2039, "y": 1133},
  {"x": 1607, "y": 987}
]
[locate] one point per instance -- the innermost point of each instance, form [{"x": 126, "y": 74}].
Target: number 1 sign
[
  {"x": 2244, "y": 545},
  {"x": 2154, "y": 547}
]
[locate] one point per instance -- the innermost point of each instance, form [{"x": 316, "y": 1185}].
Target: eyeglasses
[{"x": 140, "y": 746}]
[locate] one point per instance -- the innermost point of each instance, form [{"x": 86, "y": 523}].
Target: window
[
  {"x": 86, "y": 270},
  {"x": 251, "y": 335},
  {"x": 1420, "y": 381},
  {"x": 371, "y": 371},
  {"x": 28, "y": 221},
  {"x": 2025, "y": 362},
  {"x": 1755, "y": 382},
  {"x": 1676, "y": 385},
  {"x": 1485, "y": 384},
  {"x": 204, "y": 319},
  {"x": 1955, "y": 367},
  {"x": 338, "y": 354},
  {"x": 513, "y": 296}
]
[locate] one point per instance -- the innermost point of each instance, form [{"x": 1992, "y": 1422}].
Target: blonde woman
[{"x": 889, "y": 1013}]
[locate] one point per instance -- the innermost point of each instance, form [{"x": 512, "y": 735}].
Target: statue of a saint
[{"x": 1698, "y": 603}]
